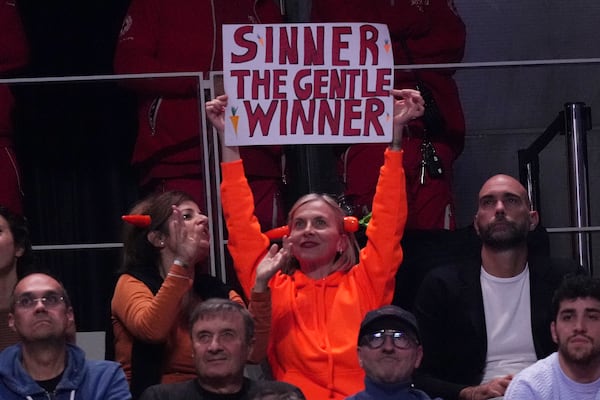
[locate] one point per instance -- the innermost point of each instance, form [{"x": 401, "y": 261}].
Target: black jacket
[
  {"x": 449, "y": 309},
  {"x": 191, "y": 390}
]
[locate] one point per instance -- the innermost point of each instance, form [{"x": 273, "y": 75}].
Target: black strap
[
  {"x": 147, "y": 359},
  {"x": 432, "y": 118}
]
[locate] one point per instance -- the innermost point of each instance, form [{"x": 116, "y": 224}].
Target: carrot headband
[
  {"x": 139, "y": 220},
  {"x": 350, "y": 225}
]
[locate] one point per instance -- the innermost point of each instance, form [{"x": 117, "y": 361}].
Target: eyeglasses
[
  {"x": 50, "y": 300},
  {"x": 401, "y": 340}
]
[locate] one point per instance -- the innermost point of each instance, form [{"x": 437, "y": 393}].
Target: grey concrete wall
[{"x": 507, "y": 108}]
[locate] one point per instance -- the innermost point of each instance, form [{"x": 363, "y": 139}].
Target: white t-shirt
[{"x": 507, "y": 307}]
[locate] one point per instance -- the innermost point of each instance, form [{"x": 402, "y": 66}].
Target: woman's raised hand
[
  {"x": 215, "y": 111},
  {"x": 408, "y": 105},
  {"x": 272, "y": 262},
  {"x": 190, "y": 247}
]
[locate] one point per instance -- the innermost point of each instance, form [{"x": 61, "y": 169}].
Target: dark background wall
[{"x": 74, "y": 141}]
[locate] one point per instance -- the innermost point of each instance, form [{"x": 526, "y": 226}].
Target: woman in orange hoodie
[{"x": 324, "y": 288}]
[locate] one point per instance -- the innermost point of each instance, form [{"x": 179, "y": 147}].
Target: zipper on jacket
[
  {"x": 14, "y": 165},
  {"x": 153, "y": 114}
]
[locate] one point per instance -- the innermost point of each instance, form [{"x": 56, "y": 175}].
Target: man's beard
[
  {"x": 581, "y": 358},
  {"x": 513, "y": 236}
]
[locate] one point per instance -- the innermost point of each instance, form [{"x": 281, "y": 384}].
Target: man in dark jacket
[
  {"x": 222, "y": 338},
  {"x": 486, "y": 318},
  {"x": 44, "y": 365}
]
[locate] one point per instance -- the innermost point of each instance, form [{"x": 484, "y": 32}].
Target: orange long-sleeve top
[
  {"x": 137, "y": 313},
  {"x": 315, "y": 323}
]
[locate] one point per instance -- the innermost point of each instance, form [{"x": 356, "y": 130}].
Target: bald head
[
  {"x": 41, "y": 310},
  {"x": 504, "y": 183},
  {"x": 504, "y": 216}
]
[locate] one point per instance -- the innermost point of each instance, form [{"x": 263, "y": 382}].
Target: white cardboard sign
[{"x": 307, "y": 83}]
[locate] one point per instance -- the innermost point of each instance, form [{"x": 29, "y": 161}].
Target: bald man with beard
[{"x": 485, "y": 318}]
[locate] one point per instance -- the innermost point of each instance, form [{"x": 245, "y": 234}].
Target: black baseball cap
[{"x": 389, "y": 317}]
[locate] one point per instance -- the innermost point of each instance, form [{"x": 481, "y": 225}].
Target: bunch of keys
[{"x": 430, "y": 162}]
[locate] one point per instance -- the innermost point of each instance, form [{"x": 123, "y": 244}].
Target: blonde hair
[{"x": 345, "y": 259}]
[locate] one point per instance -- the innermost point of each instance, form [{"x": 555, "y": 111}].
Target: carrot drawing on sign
[
  {"x": 235, "y": 119},
  {"x": 261, "y": 40},
  {"x": 387, "y": 46}
]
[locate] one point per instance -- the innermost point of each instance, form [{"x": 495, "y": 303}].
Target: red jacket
[
  {"x": 433, "y": 33},
  {"x": 181, "y": 36},
  {"x": 421, "y": 32},
  {"x": 14, "y": 54}
]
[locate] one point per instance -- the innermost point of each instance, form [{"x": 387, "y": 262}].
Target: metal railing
[{"x": 574, "y": 122}]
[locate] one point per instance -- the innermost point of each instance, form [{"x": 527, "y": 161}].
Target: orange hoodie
[{"x": 315, "y": 323}]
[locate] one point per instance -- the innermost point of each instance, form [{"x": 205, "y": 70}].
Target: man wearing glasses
[
  {"x": 389, "y": 350},
  {"x": 44, "y": 365}
]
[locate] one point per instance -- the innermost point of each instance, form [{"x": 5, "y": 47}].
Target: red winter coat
[
  {"x": 182, "y": 36},
  {"x": 14, "y": 54},
  {"x": 431, "y": 32}
]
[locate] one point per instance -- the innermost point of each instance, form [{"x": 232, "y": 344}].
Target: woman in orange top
[
  {"x": 323, "y": 290},
  {"x": 160, "y": 285}
]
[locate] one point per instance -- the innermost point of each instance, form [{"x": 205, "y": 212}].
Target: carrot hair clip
[
  {"x": 139, "y": 220},
  {"x": 350, "y": 225}
]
